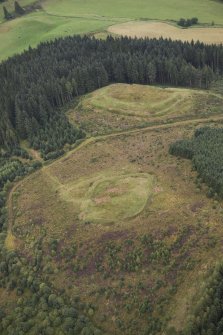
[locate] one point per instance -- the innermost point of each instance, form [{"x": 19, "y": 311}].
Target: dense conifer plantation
[
  {"x": 37, "y": 83},
  {"x": 206, "y": 151},
  {"x": 208, "y": 313}
]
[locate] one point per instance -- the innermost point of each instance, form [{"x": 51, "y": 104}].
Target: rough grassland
[
  {"x": 122, "y": 106},
  {"x": 154, "y": 252},
  {"x": 161, "y": 29}
]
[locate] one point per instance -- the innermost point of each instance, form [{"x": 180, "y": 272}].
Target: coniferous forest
[
  {"x": 205, "y": 150},
  {"x": 37, "y": 83},
  {"x": 208, "y": 314}
]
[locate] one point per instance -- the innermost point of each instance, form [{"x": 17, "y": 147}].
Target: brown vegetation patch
[
  {"x": 113, "y": 235},
  {"x": 114, "y": 191},
  {"x": 102, "y": 200},
  {"x": 160, "y": 29},
  {"x": 157, "y": 189},
  {"x": 196, "y": 206}
]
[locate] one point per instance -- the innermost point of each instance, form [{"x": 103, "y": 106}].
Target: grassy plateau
[{"x": 121, "y": 106}]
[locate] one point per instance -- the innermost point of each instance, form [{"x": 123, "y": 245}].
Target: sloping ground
[
  {"x": 130, "y": 268},
  {"x": 206, "y": 10},
  {"x": 161, "y": 29},
  {"x": 122, "y": 106},
  {"x": 29, "y": 30}
]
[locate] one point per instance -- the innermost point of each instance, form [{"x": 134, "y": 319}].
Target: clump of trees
[
  {"x": 187, "y": 22},
  {"x": 205, "y": 150},
  {"x": 53, "y": 135},
  {"x": 7, "y": 15},
  {"x": 18, "y": 11},
  {"x": 43, "y": 309}
]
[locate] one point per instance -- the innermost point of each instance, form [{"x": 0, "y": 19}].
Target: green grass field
[
  {"x": 206, "y": 10},
  {"x": 30, "y": 30},
  {"x": 60, "y": 18}
]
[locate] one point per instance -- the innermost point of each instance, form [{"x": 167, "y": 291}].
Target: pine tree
[
  {"x": 20, "y": 124},
  {"x": 18, "y": 9},
  {"x": 7, "y": 15},
  {"x": 151, "y": 73}
]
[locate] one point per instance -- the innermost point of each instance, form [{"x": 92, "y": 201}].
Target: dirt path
[
  {"x": 103, "y": 138},
  {"x": 35, "y": 154}
]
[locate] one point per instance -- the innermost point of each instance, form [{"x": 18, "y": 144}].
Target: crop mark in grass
[{"x": 107, "y": 197}]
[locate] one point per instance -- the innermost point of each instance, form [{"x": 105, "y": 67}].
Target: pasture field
[
  {"x": 206, "y": 10},
  {"x": 121, "y": 106},
  {"x": 162, "y": 29},
  {"x": 66, "y": 17},
  {"x": 17, "y": 35},
  {"x": 134, "y": 234}
]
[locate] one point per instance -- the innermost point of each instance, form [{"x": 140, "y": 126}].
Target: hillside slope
[{"x": 122, "y": 226}]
